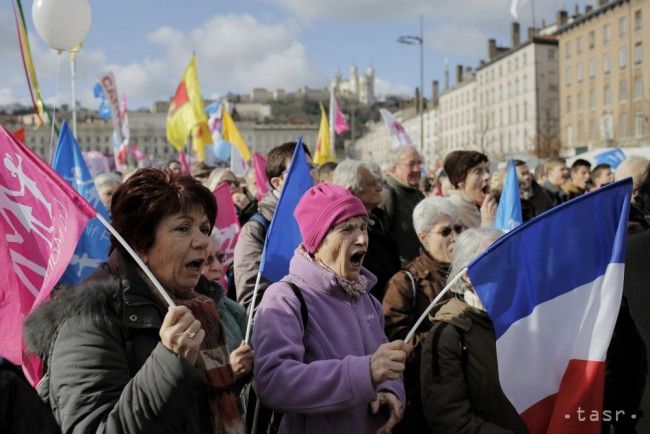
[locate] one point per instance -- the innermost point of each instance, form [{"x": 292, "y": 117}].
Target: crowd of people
[{"x": 328, "y": 351}]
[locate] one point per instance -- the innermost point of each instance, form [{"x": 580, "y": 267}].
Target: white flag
[
  {"x": 237, "y": 163},
  {"x": 514, "y": 8},
  {"x": 396, "y": 130}
]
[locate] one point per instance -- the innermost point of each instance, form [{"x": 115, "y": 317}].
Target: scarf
[
  {"x": 215, "y": 360},
  {"x": 353, "y": 288},
  {"x": 464, "y": 289}
]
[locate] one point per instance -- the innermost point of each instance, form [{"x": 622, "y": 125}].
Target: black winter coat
[{"x": 108, "y": 371}]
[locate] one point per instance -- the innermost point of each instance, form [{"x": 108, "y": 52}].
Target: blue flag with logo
[
  {"x": 612, "y": 157},
  {"x": 94, "y": 243},
  {"x": 509, "y": 210},
  {"x": 283, "y": 236},
  {"x": 104, "y": 109}
]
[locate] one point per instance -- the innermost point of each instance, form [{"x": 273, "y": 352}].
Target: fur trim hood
[{"x": 89, "y": 300}]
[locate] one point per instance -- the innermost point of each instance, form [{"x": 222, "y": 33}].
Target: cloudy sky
[{"x": 242, "y": 44}]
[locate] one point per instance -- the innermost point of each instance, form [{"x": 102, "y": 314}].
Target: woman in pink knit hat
[{"x": 325, "y": 362}]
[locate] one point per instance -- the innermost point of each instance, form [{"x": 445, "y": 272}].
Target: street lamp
[{"x": 418, "y": 40}]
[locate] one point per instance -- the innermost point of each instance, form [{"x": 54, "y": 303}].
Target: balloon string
[{"x": 56, "y": 90}]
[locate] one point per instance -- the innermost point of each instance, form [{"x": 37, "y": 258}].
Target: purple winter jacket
[{"x": 320, "y": 378}]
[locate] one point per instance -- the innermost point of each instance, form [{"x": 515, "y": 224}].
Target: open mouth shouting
[
  {"x": 356, "y": 259},
  {"x": 195, "y": 265}
]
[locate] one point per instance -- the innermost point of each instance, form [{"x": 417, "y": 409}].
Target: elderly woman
[
  {"x": 106, "y": 185},
  {"x": 246, "y": 207},
  {"x": 469, "y": 175},
  {"x": 411, "y": 290},
  {"x": 233, "y": 315},
  {"x": 118, "y": 358},
  {"x": 460, "y": 383},
  {"x": 321, "y": 356}
]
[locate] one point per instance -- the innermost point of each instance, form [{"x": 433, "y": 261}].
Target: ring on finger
[{"x": 190, "y": 334}]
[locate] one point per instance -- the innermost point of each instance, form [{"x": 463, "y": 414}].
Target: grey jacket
[
  {"x": 248, "y": 253},
  {"x": 107, "y": 370}
]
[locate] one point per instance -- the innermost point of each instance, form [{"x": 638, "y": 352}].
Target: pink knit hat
[{"x": 322, "y": 207}]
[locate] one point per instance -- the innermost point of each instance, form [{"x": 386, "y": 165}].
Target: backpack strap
[
  {"x": 304, "y": 314},
  {"x": 259, "y": 218},
  {"x": 413, "y": 287}
]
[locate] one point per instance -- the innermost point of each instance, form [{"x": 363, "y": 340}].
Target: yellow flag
[
  {"x": 187, "y": 114},
  {"x": 324, "y": 152},
  {"x": 231, "y": 134}
]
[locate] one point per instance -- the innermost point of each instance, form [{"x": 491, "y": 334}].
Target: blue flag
[
  {"x": 104, "y": 109},
  {"x": 552, "y": 288},
  {"x": 94, "y": 243},
  {"x": 283, "y": 236},
  {"x": 613, "y": 157},
  {"x": 509, "y": 210}
]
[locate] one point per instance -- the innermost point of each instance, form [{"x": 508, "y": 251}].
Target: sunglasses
[
  {"x": 221, "y": 257},
  {"x": 446, "y": 231}
]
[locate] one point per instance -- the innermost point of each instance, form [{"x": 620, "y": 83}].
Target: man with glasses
[
  {"x": 250, "y": 244},
  {"x": 400, "y": 197}
]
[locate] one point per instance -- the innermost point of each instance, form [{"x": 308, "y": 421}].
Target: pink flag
[
  {"x": 340, "y": 124},
  {"x": 259, "y": 162},
  {"x": 227, "y": 221},
  {"x": 185, "y": 167},
  {"x": 41, "y": 219}
]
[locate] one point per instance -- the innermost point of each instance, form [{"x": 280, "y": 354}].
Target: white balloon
[{"x": 62, "y": 24}]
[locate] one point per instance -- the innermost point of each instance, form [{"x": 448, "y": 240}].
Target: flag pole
[
  {"x": 142, "y": 265},
  {"x": 252, "y": 307},
  {"x": 410, "y": 334}
]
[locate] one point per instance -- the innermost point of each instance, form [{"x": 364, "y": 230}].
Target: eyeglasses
[
  {"x": 221, "y": 257},
  {"x": 446, "y": 231},
  {"x": 411, "y": 164}
]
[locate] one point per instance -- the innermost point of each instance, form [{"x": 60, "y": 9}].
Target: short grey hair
[
  {"x": 469, "y": 245},
  {"x": 397, "y": 154},
  {"x": 429, "y": 211},
  {"x": 214, "y": 236},
  {"x": 104, "y": 178},
  {"x": 633, "y": 167},
  {"x": 217, "y": 176},
  {"x": 346, "y": 174}
]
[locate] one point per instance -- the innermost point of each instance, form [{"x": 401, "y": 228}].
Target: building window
[
  {"x": 622, "y": 90},
  {"x": 580, "y": 73},
  {"x": 551, "y": 54},
  {"x": 622, "y": 57},
  {"x": 580, "y": 102},
  {"x": 607, "y": 33},
  {"x": 592, "y": 39},
  {"x": 607, "y": 64},
  {"x": 638, "y": 124},
  {"x": 525, "y": 110},
  {"x": 569, "y": 137},
  {"x": 567, "y": 49},
  {"x": 638, "y": 21},
  {"x": 607, "y": 94},
  {"x": 622, "y": 125},
  {"x": 568, "y": 104},
  {"x": 638, "y": 52},
  {"x": 592, "y": 68},
  {"x": 579, "y": 45},
  {"x": 581, "y": 133},
  {"x": 638, "y": 86},
  {"x": 592, "y": 129},
  {"x": 567, "y": 77},
  {"x": 592, "y": 99},
  {"x": 622, "y": 26}
]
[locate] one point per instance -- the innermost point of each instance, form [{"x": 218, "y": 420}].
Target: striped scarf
[{"x": 214, "y": 359}]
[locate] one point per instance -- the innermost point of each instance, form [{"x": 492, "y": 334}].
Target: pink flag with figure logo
[
  {"x": 227, "y": 221},
  {"x": 41, "y": 219},
  {"x": 259, "y": 162}
]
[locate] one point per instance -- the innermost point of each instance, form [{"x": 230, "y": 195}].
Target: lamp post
[{"x": 418, "y": 40}]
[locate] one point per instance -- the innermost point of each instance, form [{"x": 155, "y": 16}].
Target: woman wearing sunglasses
[
  {"x": 233, "y": 315},
  {"x": 412, "y": 289}
]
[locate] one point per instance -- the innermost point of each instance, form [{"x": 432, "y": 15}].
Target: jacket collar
[
  {"x": 399, "y": 185},
  {"x": 460, "y": 314},
  {"x": 425, "y": 265}
]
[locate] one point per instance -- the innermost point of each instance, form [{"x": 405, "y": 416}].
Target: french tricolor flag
[{"x": 553, "y": 289}]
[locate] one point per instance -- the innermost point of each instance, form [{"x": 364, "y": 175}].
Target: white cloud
[
  {"x": 6, "y": 96},
  {"x": 386, "y": 88}
]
